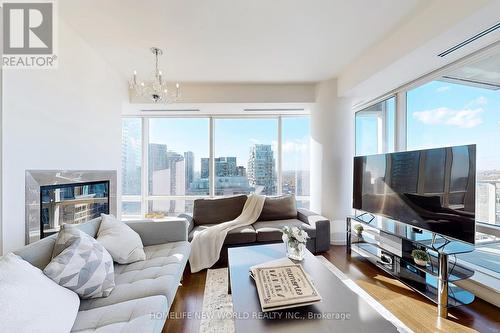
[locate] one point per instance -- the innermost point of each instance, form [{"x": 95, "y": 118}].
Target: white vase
[
  {"x": 295, "y": 250},
  {"x": 420, "y": 262}
]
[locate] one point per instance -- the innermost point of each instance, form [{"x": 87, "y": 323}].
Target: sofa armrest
[
  {"x": 190, "y": 220},
  {"x": 322, "y": 226},
  {"x": 154, "y": 233}
]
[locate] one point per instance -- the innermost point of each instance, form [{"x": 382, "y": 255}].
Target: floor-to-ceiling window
[
  {"x": 375, "y": 128},
  {"x": 441, "y": 114},
  {"x": 462, "y": 106},
  {"x": 295, "y": 161},
  {"x": 245, "y": 156},
  {"x": 131, "y": 166},
  {"x": 177, "y": 148},
  {"x": 168, "y": 162},
  {"x": 457, "y": 106}
]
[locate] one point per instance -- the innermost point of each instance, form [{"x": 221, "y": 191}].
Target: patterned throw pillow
[{"x": 81, "y": 264}]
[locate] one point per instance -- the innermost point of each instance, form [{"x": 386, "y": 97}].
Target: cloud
[
  {"x": 443, "y": 89},
  {"x": 477, "y": 102},
  {"x": 465, "y": 118},
  {"x": 481, "y": 100},
  {"x": 253, "y": 141},
  {"x": 294, "y": 147}
]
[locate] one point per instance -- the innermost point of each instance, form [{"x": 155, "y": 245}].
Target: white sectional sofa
[{"x": 144, "y": 290}]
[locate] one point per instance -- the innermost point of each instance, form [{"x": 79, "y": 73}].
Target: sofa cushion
[
  {"x": 270, "y": 231},
  {"x": 241, "y": 235},
  {"x": 211, "y": 211},
  {"x": 81, "y": 264},
  {"x": 146, "y": 314},
  {"x": 278, "y": 208},
  {"x": 159, "y": 274},
  {"x": 39, "y": 253},
  {"x": 123, "y": 243}
]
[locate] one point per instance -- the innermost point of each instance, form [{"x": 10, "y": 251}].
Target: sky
[
  {"x": 234, "y": 137},
  {"x": 444, "y": 114}
]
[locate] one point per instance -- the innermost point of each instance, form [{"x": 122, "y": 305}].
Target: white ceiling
[{"x": 235, "y": 40}]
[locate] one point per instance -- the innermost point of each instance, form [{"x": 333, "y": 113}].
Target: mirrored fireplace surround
[{"x": 35, "y": 179}]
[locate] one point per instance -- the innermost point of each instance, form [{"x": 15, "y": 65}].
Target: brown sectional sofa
[{"x": 276, "y": 213}]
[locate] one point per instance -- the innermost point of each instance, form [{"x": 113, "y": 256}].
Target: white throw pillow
[
  {"x": 81, "y": 264},
  {"x": 123, "y": 243},
  {"x": 31, "y": 302}
]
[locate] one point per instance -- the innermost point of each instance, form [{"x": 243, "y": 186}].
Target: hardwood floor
[{"x": 414, "y": 310}]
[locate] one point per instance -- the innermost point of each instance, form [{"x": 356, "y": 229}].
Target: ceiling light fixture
[{"x": 156, "y": 90}]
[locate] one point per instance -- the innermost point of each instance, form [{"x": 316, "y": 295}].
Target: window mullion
[
  {"x": 145, "y": 157},
  {"x": 211, "y": 169},
  {"x": 279, "y": 161},
  {"x": 400, "y": 122}
]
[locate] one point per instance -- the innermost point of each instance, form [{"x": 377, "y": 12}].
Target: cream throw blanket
[{"x": 207, "y": 243}]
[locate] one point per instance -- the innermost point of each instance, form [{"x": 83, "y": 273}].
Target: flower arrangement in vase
[
  {"x": 295, "y": 240},
  {"x": 358, "y": 229}
]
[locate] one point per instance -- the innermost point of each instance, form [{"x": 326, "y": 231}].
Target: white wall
[
  {"x": 66, "y": 118},
  {"x": 241, "y": 93},
  {"x": 1, "y": 136},
  {"x": 332, "y": 151}
]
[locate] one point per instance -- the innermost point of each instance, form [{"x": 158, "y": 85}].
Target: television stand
[{"x": 388, "y": 245}]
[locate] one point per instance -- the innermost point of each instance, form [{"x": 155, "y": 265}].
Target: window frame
[
  {"x": 144, "y": 198},
  {"x": 384, "y": 143},
  {"x": 401, "y": 119}
]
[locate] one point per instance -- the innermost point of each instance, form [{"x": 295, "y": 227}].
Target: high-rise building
[
  {"x": 189, "y": 165},
  {"x": 157, "y": 161},
  {"x": 177, "y": 167},
  {"x": 231, "y": 185},
  {"x": 241, "y": 171},
  {"x": 486, "y": 210},
  {"x": 205, "y": 167},
  {"x": 261, "y": 173},
  {"x": 225, "y": 167},
  {"x": 157, "y": 156},
  {"x": 131, "y": 158}
]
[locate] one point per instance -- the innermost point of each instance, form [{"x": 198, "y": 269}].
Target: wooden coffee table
[{"x": 341, "y": 310}]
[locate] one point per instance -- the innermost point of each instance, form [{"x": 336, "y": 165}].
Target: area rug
[{"x": 217, "y": 306}]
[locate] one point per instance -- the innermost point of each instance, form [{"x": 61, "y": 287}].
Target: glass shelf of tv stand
[
  {"x": 456, "y": 295},
  {"x": 456, "y": 272},
  {"x": 422, "y": 237}
]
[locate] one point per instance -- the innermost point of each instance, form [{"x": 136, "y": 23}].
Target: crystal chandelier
[{"x": 156, "y": 90}]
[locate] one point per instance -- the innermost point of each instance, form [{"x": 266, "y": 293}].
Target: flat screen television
[{"x": 432, "y": 189}]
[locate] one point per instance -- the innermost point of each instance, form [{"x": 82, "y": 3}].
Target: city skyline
[
  {"x": 167, "y": 169},
  {"x": 233, "y": 137}
]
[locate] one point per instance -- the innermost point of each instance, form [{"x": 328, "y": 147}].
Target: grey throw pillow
[
  {"x": 279, "y": 208},
  {"x": 81, "y": 264}
]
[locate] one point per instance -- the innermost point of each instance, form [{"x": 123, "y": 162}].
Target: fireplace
[
  {"x": 56, "y": 197},
  {"x": 72, "y": 203}
]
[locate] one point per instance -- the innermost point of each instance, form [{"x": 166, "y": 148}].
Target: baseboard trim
[{"x": 338, "y": 238}]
